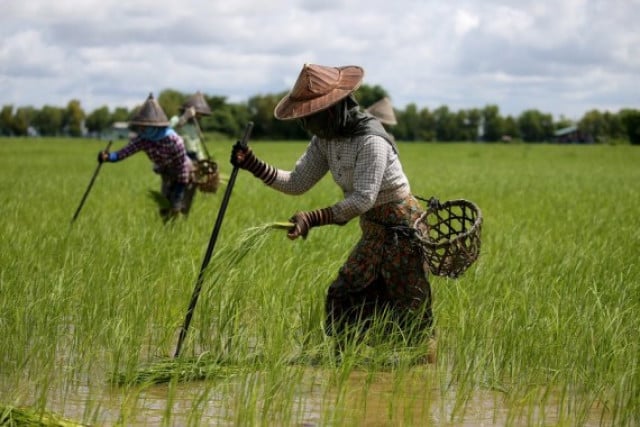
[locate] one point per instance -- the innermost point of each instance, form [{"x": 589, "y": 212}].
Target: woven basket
[
  {"x": 206, "y": 176},
  {"x": 449, "y": 234}
]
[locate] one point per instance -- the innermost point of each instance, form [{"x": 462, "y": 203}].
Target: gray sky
[{"x": 563, "y": 57}]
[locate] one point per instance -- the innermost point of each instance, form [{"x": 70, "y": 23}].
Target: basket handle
[{"x": 432, "y": 203}]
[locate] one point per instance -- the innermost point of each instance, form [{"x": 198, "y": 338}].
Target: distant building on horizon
[
  {"x": 118, "y": 130},
  {"x": 571, "y": 135}
]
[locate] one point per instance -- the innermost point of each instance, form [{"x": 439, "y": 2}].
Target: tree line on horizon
[{"x": 414, "y": 124}]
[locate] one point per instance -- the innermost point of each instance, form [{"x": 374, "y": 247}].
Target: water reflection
[{"x": 322, "y": 396}]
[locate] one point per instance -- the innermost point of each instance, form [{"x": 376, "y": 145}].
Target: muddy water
[{"x": 367, "y": 399}]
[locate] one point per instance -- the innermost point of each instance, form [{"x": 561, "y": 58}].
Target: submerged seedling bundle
[
  {"x": 11, "y": 416},
  {"x": 205, "y": 366}
]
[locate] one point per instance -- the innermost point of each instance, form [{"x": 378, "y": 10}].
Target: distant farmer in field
[
  {"x": 188, "y": 127},
  {"x": 206, "y": 174},
  {"x": 383, "y": 111},
  {"x": 385, "y": 273},
  {"x": 166, "y": 150}
]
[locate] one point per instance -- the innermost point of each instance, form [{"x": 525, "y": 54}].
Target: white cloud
[
  {"x": 26, "y": 54},
  {"x": 563, "y": 57},
  {"x": 465, "y": 21}
]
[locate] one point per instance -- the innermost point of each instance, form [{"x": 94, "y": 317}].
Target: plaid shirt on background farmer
[
  {"x": 165, "y": 148},
  {"x": 167, "y": 154}
]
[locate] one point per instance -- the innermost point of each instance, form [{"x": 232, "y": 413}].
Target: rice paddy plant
[
  {"x": 16, "y": 417},
  {"x": 541, "y": 330}
]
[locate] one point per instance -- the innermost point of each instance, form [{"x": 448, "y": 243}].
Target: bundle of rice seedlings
[
  {"x": 11, "y": 416},
  {"x": 250, "y": 240},
  {"x": 203, "y": 367},
  {"x": 280, "y": 225}
]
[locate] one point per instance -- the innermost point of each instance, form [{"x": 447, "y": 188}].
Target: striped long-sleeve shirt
[
  {"x": 366, "y": 168},
  {"x": 167, "y": 154}
]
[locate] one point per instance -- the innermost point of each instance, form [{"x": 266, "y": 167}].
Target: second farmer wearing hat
[
  {"x": 384, "y": 277},
  {"x": 165, "y": 148},
  {"x": 188, "y": 127},
  {"x": 383, "y": 111}
]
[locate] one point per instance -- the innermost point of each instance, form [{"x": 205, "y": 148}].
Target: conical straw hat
[
  {"x": 198, "y": 102},
  {"x": 318, "y": 87},
  {"x": 383, "y": 111},
  {"x": 150, "y": 114}
]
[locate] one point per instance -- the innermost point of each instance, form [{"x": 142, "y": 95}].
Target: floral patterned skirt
[{"x": 385, "y": 274}]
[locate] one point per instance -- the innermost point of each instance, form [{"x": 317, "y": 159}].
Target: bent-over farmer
[
  {"x": 165, "y": 148},
  {"x": 385, "y": 273}
]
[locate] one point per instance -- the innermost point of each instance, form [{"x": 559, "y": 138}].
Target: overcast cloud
[{"x": 563, "y": 57}]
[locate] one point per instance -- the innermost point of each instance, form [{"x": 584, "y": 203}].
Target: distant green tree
[
  {"x": 593, "y": 123},
  {"x": 222, "y": 120},
  {"x": 49, "y": 120},
  {"x": 631, "y": 121},
  {"x": 535, "y": 126},
  {"x": 261, "y": 110},
  {"x": 466, "y": 125},
  {"x": 22, "y": 120},
  {"x": 74, "y": 118},
  {"x": 408, "y": 127},
  {"x": 6, "y": 120},
  {"x": 215, "y": 102},
  {"x": 493, "y": 123},
  {"x": 414, "y": 124},
  {"x": 120, "y": 114},
  {"x": 242, "y": 116},
  {"x": 227, "y": 119},
  {"x": 99, "y": 120},
  {"x": 171, "y": 100},
  {"x": 563, "y": 122},
  {"x": 426, "y": 128},
  {"x": 473, "y": 120},
  {"x": 510, "y": 129},
  {"x": 445, "y": 123},
  {"x": 368, "y": 95},
  {"x": 615, "y": 126}
]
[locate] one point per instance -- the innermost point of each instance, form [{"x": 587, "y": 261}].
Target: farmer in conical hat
[
  {"x": 383, "y": 111},
  {"x": 187, "y": 125},
  {"x": 165, "y": 148},
  {"x": 385, "y": 272},
  {"x": 206, "y": 176}
]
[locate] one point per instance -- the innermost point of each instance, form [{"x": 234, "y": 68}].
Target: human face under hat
[
  {"x": 332, "y": 121},
  {"x": 317, "y": 88}
]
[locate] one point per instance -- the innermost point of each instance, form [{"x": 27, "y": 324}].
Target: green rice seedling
[
  {"x": 25, "y": 417},
  {"x": 205, "y": 366},
  {"x": 541, "y": 330}
]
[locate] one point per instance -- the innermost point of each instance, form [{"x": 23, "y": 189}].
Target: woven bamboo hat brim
[
  {"x": 150, "y": 114},
  {"x": 198, "y": 102},
  {"x": 383, "y": 111},
  {"x": 318, "y": 87}
]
